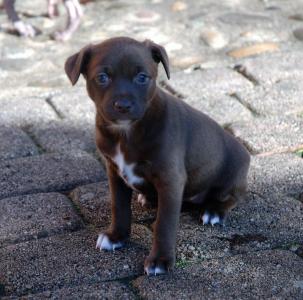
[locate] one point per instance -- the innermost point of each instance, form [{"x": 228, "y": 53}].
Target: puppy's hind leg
[{"x": 216, "y": 206}]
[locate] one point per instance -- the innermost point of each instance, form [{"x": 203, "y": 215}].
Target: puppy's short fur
[{"x": 155, "y": 144}]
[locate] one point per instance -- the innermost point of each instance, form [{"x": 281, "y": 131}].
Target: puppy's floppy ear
[
  {"x": 76, "y": 64},
  {"x": 159, "y": 55}
]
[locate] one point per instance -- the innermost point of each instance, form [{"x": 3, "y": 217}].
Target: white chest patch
[{"x": 126, "y": 171}]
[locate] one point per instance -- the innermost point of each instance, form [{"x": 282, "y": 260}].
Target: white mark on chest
[{"x": 126, "y": 171}]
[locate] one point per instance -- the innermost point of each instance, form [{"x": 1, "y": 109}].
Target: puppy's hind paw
[
  {"x": 211, "y": 218},
  {"x": 104, "y": 243},
  {"x": 142, "y": 200}
]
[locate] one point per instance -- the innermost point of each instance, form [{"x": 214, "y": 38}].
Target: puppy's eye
[
  {"x": 102, "y": 79},
  {"x": 141, "y": 78}
]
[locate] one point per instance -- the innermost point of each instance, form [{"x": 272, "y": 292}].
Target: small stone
[
  {"x": 296, "y": 17},
  {"x": 179, "y": 6},
  {"x": 24, "y": 54},
  {"x": 115, "y": 27},
  {"x": 47, "y": 294},
  {"x": 299, "y": 251},
  {"x": 299, "y": 284},
  {"x": 242, "y": 18},
  {"x": 294, "y": 248},
  {"x": 186, "y": 62},
  {"x": 253, "y": 50},
  {"x": 214, "y": 38},
  {"x": 173, "y": 46},
  {"x": 259, "y": 36},
  {"x": 298, "y": 33},
  {"x": 144, "y": 16}
]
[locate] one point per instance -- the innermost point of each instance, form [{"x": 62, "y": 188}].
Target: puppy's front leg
[
  {"x": 74, "y": 14},
  {"x": 162, "y": 256},
  {"x": 120, "y": 227}
]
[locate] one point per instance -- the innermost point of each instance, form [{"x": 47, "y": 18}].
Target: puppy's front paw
[
  {"x": 211, "y": 218},
  {"x": 104, "y": 243},
  {"x": 154, "y": 266},
  {"x": 154, "y": 270},
  {"x": 25, "y": 29}
]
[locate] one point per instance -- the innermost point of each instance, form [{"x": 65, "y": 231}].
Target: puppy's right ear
[
  {"x": 76, "y": 64},
  {"x": 159, "y": 55}
]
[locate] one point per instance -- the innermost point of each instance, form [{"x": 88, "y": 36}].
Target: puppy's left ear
[
  {"x": 76, "y": 64},
  {"x": 159, "y": 55}
]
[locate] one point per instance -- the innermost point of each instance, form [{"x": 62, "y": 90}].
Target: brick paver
[
  {"x": 47, "y": 172},
  {"x": 15, "y": 143},
  {"x": 35, "y": 216},
  {"x": 261, "y": 275}
]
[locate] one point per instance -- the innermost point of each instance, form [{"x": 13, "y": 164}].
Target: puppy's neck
[{"x": 121, "y": 126}]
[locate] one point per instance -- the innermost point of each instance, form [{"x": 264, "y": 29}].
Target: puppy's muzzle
[{"x": 123, "y": 106}]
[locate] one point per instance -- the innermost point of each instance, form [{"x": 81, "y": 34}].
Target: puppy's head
[{"x": 120, "y": 76}]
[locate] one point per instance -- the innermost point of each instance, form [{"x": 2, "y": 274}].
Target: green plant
[
  {"x": 300, "y": 152},
  {"x": 182, "y": 263}
]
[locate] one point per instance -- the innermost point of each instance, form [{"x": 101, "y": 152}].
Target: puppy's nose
[{"x": 122, "y": 105}]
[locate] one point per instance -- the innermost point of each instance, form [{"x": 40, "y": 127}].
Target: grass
[
  {"x": 299, "y": 152},
  {"x": 182, "y": 263}
]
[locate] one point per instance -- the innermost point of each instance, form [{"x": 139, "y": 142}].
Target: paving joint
[
  {"x": 242, "y": 70},
  {"x": 27, "y": 130},
  {"x": 77, "y": 209},
  {"x": 54, "y": 108},
  {"x": 42, "y": 235},
  {"x": 228, "y": 127},
  {"x": 247, "y": 105},
  {"x": 166, "y": 86},
  {"x": 127, "y": 281}
]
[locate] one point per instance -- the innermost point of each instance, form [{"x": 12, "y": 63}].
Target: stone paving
[{"x": 241, "y": 62}]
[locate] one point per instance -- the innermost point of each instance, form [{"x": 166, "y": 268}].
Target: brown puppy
[{"x": 155, "y": 144}]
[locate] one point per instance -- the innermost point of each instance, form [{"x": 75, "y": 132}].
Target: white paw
[
  {"x": 154, "y": 270},
  {"x": 141, "y": 199},
  {"x": 104, "y": 243},
  {"x": 212, "y": 219},
  {"x": 205, "y": 218},
  {"x": 24, "y": 29}
]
